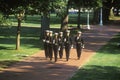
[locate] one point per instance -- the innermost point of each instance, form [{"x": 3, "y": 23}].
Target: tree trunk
[
  {"x": 107, "y": 5},
  {"x": 45, "y": 24},
  {"x": 64, "y": 22},
  {"x": 111, "y": 12},
  {"x": 78, "y": 19},
  {"x": 64, "y": 19},
  {"x": 96, "y": 16},
  {"x": 18, "y": 35},
  {"x": 19, "y": 18},
  {"x": 106, "y": 14}
]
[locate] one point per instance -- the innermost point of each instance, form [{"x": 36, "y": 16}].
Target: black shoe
[
  {"x": 66, "y": 59},
  {"x": 50, "y": 59},
  {"x": 55, "y": 60}
]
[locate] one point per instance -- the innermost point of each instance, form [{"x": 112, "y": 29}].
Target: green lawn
[
  {"x": 30, "y": 43},
  {"x": 104, "y": 65}
]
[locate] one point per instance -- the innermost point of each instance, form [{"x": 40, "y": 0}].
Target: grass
[
  {"x": 105, "y": 65},
  {"x": 30, "y": 43},
  {"x": 115, "y": 18}
]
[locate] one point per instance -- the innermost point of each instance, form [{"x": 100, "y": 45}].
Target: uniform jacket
[
  {"x": 67, "y": 41},
  {"x": 79, "y": 41}
]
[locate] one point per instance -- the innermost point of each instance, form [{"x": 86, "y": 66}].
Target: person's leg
[
  {"x": 50, "y": 53},
  {"x": 67, "y": 53},
  {"x": 78, "y": 51},
  {"x": 61, "y": 52}
]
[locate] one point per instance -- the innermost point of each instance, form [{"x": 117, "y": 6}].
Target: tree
[
  {"x": 86, "y": 4},
  {"x": 64, "y": 17},
  {"x": 107, "y": 5},
  {"x": 19, "y": 16},
  {"x": 79, "y": 4},
  {"x": 44, "y": 7},
  {"x": 96, "y": 5},
  {"x": 62, "y": 11},
  {"x": 4, "y": 22},
  {"x": 18, "y": 9}
]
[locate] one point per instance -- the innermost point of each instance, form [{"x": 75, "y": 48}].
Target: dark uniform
[
  {"x": 55, "y": 46},
  {"x": 50, "y": 45},
  {"x": 68, "y": 44},
  {"x": 79, "y": 44},
  {"x": 46, "y": 43},
  {"x": 61, "y": 44}
]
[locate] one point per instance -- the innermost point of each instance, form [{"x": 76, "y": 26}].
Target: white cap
[
  {"x": 50, "y": 32},
  {"x": 56, "y": 33},
  {"x": 60, "y": 32},
  {"x": 79, "y": 32},
  {"x": 47, "y": 31},
  {"x": 68, "y": 31}
]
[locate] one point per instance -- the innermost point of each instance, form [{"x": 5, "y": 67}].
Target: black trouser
[
  {"x": 61, "y": 51},
  {"x": 46, "y": 48},
  {"x": 67, "y": 50},
  {"x": 55, "y": 48},
  {"x": 50, "y": 51},
  {"x": 78, "y": 49}
]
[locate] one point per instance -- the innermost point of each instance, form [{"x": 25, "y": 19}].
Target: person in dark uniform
[
  {"x": 67, "y": 44},
  {"x": 61, "y": 44},
  {"x": 50, "y": 45},
  {"x": 46, "y": 43},
  {"x": 79, "y": 44},
  {"x": 55, "y": 46}
]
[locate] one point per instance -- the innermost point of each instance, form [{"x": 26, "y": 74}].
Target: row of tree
[{"x": 21, "y": 8}]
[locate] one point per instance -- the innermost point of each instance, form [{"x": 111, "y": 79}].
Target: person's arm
[
  {"x": 71, "y": 41},
  {"x": 83, "y": 45}
]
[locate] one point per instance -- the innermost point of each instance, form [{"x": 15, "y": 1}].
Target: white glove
[
  {"x": 64, "y": 40},
  {"x": 83, "y": 46},
  {"x": 59, "y": 49},
  {"x": 43, "y": 40},
  {"x": 72, "y": 46},
  {"x": 53, "y": 41},
  {"x": 47, "y": 41}
]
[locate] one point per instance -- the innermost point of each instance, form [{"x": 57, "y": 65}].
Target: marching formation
[{"x": 54, "y": 44}]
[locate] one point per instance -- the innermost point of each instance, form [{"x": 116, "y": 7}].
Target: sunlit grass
[
  {"x": 115, "y": 18},
  {"x": 104, "y": 65},
  {"x": 30, "y": 44}
]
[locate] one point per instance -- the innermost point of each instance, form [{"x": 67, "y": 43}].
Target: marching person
[
  {"x": 61, "y": 44},
  {"x": 55, "y": 46},
  {"x": 67, "y": 44},
  {"x": 46, "y": 43},
  {"x": 50, "y": 44},
  {"x": 79, "y": 44}
]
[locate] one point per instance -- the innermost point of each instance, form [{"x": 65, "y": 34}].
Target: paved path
[{"x": 37, "y": 67}]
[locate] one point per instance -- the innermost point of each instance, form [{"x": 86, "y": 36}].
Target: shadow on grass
[
  {"x": 2, "y": 47},
  {"x": 94, "y": 72},
  {"x": 111, "y": 47},
  {"x": 29, "y": 36}
]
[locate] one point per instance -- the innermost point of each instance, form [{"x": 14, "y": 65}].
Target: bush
[{"x": 4, "y": 22}]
